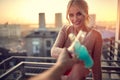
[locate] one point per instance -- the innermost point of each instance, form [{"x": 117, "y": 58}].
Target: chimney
[
  {"x": 42, "y": 23},
  {"x": 58, "y": 20}
]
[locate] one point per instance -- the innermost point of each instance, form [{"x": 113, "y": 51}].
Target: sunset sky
[{"x": 26, "y": 11}]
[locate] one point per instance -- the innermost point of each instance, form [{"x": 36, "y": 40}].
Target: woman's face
[{"x": 75, "y": 17}]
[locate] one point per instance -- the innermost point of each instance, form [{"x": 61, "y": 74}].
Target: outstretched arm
[{"x": 63, "y": 63}]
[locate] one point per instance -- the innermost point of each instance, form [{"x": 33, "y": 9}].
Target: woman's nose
[{"x": 75, "y": 18}]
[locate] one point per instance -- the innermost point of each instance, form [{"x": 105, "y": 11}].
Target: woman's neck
[{"x": 83, "y": 28}]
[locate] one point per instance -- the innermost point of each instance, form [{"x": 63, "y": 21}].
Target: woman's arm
[
  {"x": 59, "y": 43},
  {"x": 96, "y": 69}
]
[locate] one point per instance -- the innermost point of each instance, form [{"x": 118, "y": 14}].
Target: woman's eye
[
  {"x": 71, "y": 15},
  {"x": 79, "y": 13}
]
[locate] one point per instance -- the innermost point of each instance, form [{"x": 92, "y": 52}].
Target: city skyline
[{"x": 26, "y": 11}]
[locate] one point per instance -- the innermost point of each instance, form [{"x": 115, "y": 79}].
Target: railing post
[
  {"x": 21, "y": 72},
  {"x": 111, "y": 51},
  {"x": 118, "y": 27},
  {"x": 118, "y": 20},
  {"x": 110, "y": 56}
]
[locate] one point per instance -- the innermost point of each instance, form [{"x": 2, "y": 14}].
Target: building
[
  {"x": 10, "y": 30},
  {"x": 40, "y": 41}
]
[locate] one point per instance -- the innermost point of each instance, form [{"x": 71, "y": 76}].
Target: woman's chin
[{"x": 77, "y": 26}]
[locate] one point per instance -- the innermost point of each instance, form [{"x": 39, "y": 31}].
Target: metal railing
[
  {"x": 13, "y": 60},
  {"x": 111, "y": 58},
  {"x": 25, "y": 66},
  {"x": 23, "y": 69}
]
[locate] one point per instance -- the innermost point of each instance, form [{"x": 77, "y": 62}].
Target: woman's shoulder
[
  {"x": 96, "y": 32},
  {"x": 67, "y": 28}
]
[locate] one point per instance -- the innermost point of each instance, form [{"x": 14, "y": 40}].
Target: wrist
[{"x": 61, "y": 67}]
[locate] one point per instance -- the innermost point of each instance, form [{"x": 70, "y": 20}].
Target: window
[
  {"x": 48, "y": 53},
  {"x": 36, "y": 46},
  {"x": 48, "y": 43}
]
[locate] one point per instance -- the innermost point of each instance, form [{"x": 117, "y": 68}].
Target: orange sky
[{"x": 26, "y": 11}]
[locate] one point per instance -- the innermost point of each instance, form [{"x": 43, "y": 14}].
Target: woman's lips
[{"x": 77, "y": 23}]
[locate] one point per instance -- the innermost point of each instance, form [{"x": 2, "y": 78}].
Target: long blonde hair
[{"x": 82, "y": 5}]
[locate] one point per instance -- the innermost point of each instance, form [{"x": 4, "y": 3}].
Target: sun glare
[{"x": 26, "y": 11}]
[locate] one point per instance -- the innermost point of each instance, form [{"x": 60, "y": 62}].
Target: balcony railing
[
  {"x": 23, "y": 67},
  {"x": 112, "y": 59}
]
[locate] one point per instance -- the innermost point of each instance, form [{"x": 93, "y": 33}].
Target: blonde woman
[{"x": 78, "y": 17}]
